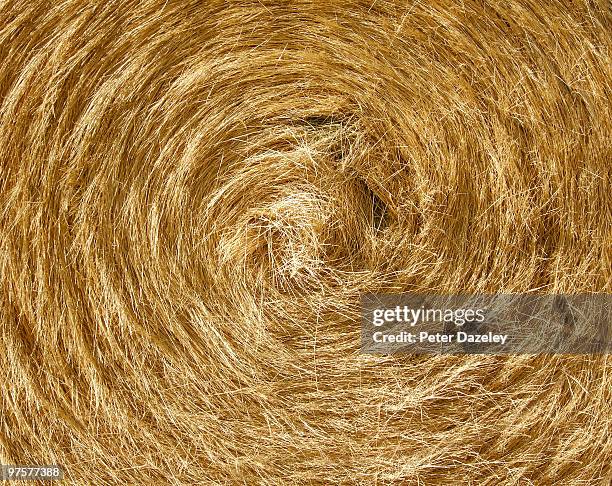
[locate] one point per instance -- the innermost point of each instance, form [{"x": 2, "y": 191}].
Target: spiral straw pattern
[{"x": 193, "y": 196}]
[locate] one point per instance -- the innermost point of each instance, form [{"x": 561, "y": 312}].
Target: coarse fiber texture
[{"x": 194, "y": 195}]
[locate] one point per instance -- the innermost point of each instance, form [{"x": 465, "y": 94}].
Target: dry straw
[{"x": 193, "y": 195}]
